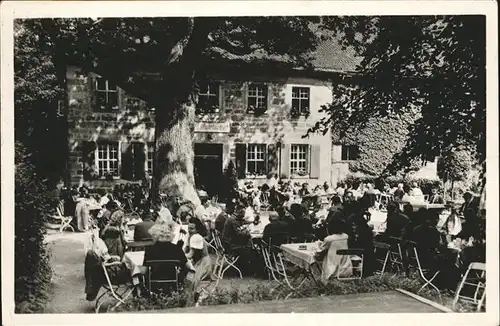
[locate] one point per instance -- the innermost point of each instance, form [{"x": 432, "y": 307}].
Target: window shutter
[
  {"x": 127, "y": 161},
  {"x": 285, "y": 161},
  {"x": 139, "y": 160},
  {"x": 272, "y": 159},
  {"x": 94, "y": 103},
  {"x": 315, "y": 161},
  {"x": 241, "y": 160},
  {"x": 336, "y": 153},
  {"x": 88, "y": 160}
]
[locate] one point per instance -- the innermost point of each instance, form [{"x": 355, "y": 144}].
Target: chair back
[
  {"x": 278, "y": 238},
  {"x": 139, "y": 245},
  {"x": 414, "y": 258},
  {"x": 472, "y": 287},
  {"x": 264, "y": 200},
  {"x": 162, "y": 274},
  {"x": 357, "y": 258},
  {"x": 382, "y": 251},
  {"x": 60, "y": 208},
  {"x": 219, "y": 247}
]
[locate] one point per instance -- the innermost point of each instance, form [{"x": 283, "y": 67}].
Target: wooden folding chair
[
  {"x": 162, "y": 275},
  {"x": 119, "y": 291},
  {"x": 224, "y": 260},
  {"x": 357, "y": 258},
  {"x": 264, "y": 201},
  {"x": 65, "y": 221},
  {"x": 380, "y": 257},
  {"x": 275, "y": 266},
  {"x": 396, "y": 254},
  {"x": 474, "y": 280},
  {"x": 424, "y": 272},
  {"x": 131, "y": 209}
]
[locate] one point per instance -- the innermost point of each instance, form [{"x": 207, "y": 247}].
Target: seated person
[
  {"x": 435, "y": 198},
  {"x": 220, "y": 221},
  {"x": 164, "y": 249},
  {"x": 302, "y": 227},
  {"x": 277, "y": 231},
  {"x": 236, "y": 239},
  {"x": 327, "y": 253},
  {"x": 94, "y": 274},
  {"x": 141, "y": 230},
  {"x": 396, "y": 221},
  {"x": 415, "y": 220},
  {"x": 197, "y": 252},
  {"x": 432, "y": 252},
  {"x": 304, "y": 190},
  {"x": 113, "y": 234},
  {"x": 361, "y": 237},
  {"x": 415, "y": 190}
]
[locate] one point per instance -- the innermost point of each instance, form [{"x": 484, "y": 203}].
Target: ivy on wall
[{"x": 378, "y": 142}]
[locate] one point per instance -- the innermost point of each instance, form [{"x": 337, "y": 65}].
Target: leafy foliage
[
  {"x": 378, "y": 142},
  {"x": 433, "y": 65},
  {"x": 32, "y": 267},
  {"x": 425, "y": 184},
  {"x": 39, "y": 158},
  {"x": 39, "y": 125},
  {"x": 231, "y": 178},
  {"x": 263, "y": 292},
  {"x": 456, "y": 164}
]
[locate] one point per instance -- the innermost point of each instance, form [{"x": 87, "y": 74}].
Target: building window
[
  {"x": 257, "y": 98},
  {"x": 300, "y": 100},
  {"x": 208, "y": 98},
  {"x": 150, "y": 158},
  {"x": 299, "y": 160},
  {"x": 107, "y": 95},
  {"x": 256, "y": 160},
  {"x": 349, "y": 152},
  {"x": 107, "y": 159}
]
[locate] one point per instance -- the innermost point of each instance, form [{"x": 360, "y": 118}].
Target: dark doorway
[{"x": 208, "y": 168}]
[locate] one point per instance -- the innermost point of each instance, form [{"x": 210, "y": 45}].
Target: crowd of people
[{"x": 336, "y": 218}]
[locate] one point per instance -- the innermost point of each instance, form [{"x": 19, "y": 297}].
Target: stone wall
[{"x": 133, "y": 122}]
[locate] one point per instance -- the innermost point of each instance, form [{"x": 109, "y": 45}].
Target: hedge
[
  {"x": 32, "y": 259},
  {"x": 425, "y": 184},
  {"x": 263, "y": 291}
]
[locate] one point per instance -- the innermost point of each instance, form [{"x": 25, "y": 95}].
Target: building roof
[{"x": 329, "y": 56}]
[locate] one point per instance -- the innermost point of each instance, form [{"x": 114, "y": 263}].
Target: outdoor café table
[
  {"x": 303, "y": 259},
  {"x": 133, "y": 260}
]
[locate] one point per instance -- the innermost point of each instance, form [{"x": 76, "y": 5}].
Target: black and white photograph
[{"x": 232, "y": 162}]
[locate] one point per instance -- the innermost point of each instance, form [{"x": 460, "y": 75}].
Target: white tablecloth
[
  {"x": 301, "y": 258},
  {"x": 133, "y": 260}
]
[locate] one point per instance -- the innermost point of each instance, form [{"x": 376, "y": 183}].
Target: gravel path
[{"x": 68, "y": 283}]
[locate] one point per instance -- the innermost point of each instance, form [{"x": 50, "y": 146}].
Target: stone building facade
[{"x": 257, "y": 122}]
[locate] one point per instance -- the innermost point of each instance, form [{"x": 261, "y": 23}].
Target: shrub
[
  {"x": 32, "y": 261},
  {"x": 425, "y": 184},
  {"x": 231, "y": 182},
  {"x": 264, "y": 292}
]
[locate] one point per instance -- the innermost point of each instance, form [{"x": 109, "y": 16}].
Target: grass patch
[{"x": 265, "y": 291}]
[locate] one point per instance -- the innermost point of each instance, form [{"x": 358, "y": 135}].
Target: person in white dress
[{"x": 333, "y": 264}]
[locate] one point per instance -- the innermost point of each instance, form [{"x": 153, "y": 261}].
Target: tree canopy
[{"x": 431, "y": 65}]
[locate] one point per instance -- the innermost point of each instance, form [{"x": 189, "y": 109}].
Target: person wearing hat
[
  {"x": 141, "y": 230},
  {"x": 197, "y": 252}
]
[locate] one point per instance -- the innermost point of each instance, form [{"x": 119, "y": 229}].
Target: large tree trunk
[
  {"x": 175, "y": 114},
  {"x": 173, "y": 171}
]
